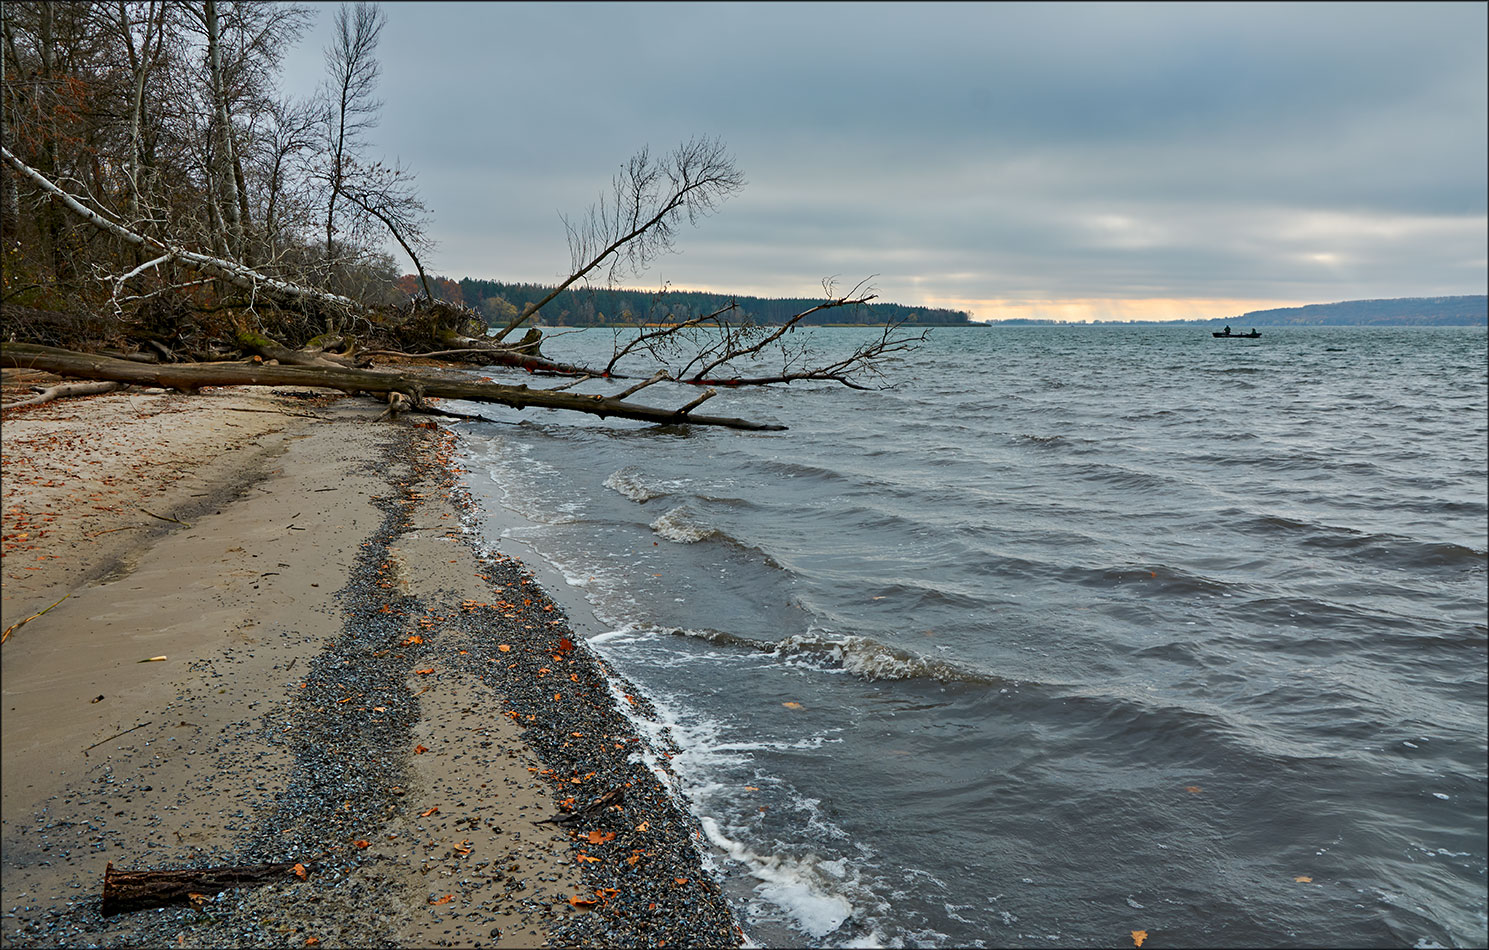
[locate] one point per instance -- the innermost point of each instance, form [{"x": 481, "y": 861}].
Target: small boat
[{"x": 1253, "y": 335}]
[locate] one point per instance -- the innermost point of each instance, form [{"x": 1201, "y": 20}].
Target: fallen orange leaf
[
  {"x": 432, "y": 810},
  {"x": 505, "y": 648},
  {"x": 442, "y": 900},
  {"x": 1138, "y": 936},
  {"x": 425, "y": 672},
  {"x": 299, "y": 871},
  {"x": 578, "y": 901},
  {"x": 600, "y": 837},
  {"x": 793, "y": 705},
  {"x": 1303, "y": 879},
  {"x": 420, "y": 750},
  {"x": 363, "y": 844},
  {"x": 680, "y": 880}
]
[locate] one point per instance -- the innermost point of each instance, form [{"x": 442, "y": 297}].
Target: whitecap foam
[
  {"x": 629, "y": 482},
  {"x": 680, "y": 525},
  {"x": 872, "y": 660},
  {"x": 791, "y": 884}
]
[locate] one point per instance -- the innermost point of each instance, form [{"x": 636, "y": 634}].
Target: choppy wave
[
  {"x": 1405, "y": 553},
  {"x": 860, "y": 656},
  {"x": 681, "y": 525},
  {"x": 1156, "y": 579},
  {"x": 1183, "y": 596},
  {"x": 1124, "y": 478},
  {"x": 631, "y": 483},
  {"x": 872, "y": 660}
]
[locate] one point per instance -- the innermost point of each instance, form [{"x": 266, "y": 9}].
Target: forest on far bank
[{"x": 500, "y": 301}]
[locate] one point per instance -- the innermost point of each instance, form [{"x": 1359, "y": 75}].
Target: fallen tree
[
  {"x": 190, "y": 377},
  {"x": 626, "y": 231}
]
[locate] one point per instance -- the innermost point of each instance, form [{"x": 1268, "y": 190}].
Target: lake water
[{"x": 1074, "y": 632}]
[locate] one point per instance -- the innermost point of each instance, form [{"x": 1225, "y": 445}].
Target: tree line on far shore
[{"x": 500, "y": 301}]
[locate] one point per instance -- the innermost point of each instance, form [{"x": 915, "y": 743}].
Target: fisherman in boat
[{"x": 1227, "y": 330}]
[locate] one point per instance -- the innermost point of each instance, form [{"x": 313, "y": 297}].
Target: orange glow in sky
[{"x": 1089, "y": 309}]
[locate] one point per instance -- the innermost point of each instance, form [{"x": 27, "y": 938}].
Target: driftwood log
[
  {"x": 124, "y": 891},
  {"x": 64, "y": 391},
  {"x": 189, "y": 377}
]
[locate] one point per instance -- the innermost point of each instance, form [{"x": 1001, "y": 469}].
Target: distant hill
[
  {"x": 1471, "y": 311},
  {"x": 1402, "y": 311},
  {"x": 499, "y": 301}
]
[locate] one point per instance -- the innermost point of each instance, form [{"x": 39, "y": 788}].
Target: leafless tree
[
  {"x": 388, "y": 196},
  {"x": 352, "y": 72},
  {"x": 141, "y": 29},
  {"x": 637, "y": 220},
  {"x": 289, "y": 135}
]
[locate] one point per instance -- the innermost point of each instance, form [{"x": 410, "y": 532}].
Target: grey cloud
[{"x": 1003, "y": 149}]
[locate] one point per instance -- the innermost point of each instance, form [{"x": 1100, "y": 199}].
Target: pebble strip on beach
[{"x": 353, "y": 801}]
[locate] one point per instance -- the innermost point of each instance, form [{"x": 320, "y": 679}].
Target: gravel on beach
[{"x": 390, "y": 760}]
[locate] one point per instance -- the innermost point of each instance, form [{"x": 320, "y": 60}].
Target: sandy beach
[{"x": 265, "y": 636}]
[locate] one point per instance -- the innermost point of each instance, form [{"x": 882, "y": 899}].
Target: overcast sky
[{"x": 1065, "y": 161}]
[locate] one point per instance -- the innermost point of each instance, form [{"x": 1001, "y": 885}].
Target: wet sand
[{"x": 348, "y": 682}]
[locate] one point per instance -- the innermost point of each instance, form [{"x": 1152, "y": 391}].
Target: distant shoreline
[
  {"x": 1237, "y": 325},
  {"x": 1459, "y": 311}
]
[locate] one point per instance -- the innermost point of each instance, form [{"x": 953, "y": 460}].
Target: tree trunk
[
  {"x": 190, "y": 377},
  {"x": 135, "y": 890},
  {"x": 55, "y": 226},
  {"x": 65, "y": 390},
  {"x": 223, "y": 173}
]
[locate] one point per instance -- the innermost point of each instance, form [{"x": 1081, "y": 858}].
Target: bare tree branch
[
  {"x": 392, "y": 202},
  {"x": 637, "y": 221}
]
